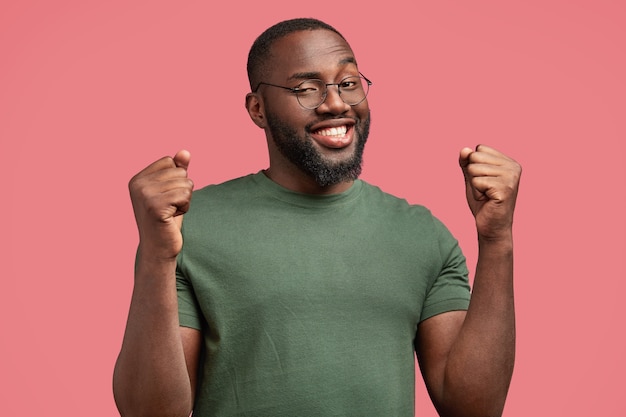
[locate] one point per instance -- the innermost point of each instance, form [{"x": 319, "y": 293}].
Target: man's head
[
  {"x": 261, "y": 51},
  {"x": 320, "y": 140}
]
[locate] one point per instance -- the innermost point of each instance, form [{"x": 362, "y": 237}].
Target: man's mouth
[
  {"x": 336, "y": 132},
  {"x": 335, "y": 137}
]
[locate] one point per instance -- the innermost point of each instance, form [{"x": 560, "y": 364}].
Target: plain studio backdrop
[{"x": 91, "y": 92}]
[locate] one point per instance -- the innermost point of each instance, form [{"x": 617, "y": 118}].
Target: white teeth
[{"x": 333, "y": 131}]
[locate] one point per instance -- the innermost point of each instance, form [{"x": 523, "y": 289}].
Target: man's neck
[{"x": 301, "y": 183}]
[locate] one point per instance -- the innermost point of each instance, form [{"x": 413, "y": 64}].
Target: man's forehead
[{"x": 311, "y": 49}]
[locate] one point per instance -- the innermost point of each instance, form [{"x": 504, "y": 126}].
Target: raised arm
[
  {"x": 155, "y": 372},
  {"x": 467, "y": 357}
]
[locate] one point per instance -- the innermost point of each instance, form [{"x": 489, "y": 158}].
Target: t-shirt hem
[
  {"x": 456, "y": 304},
  {"x": 188, "y": 321}
]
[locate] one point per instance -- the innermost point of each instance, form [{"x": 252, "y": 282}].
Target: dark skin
[
  {"x": 299, "y": 56},
  {"x": 156, "y": 369},
  {"x": 466, "y": 358}
]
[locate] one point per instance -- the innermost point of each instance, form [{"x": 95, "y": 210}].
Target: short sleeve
[
  {"x": 450, "y": 290},
  {"x": 189, "y": 314}
]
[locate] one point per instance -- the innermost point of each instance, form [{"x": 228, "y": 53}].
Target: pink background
[{"x": 90, "y": 92}]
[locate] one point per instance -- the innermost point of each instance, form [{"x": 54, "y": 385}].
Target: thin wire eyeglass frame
[{"x": 297, "y": 88}]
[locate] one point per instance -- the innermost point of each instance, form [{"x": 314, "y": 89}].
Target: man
[{"x": 303, "y": 291}]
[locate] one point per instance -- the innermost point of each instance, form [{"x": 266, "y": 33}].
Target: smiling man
[{"x": 303, "y": 291}]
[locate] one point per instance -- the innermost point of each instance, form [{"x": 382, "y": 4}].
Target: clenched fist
[
  {"x": 161, "y": 194},
  {"x": 492, "y": 181}
]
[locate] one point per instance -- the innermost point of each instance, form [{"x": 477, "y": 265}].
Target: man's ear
[{"x": 254, "y": 105}]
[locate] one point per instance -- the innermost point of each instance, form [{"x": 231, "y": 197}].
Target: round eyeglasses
[{"x": 312, "y": 93}]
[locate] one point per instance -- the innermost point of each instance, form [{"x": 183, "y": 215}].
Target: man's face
[{"x": 325, "y": 143}]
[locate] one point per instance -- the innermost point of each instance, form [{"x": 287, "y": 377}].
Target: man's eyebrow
[
  {"x": 304, "y": 76},
  {"x": 317, "y": 75}
]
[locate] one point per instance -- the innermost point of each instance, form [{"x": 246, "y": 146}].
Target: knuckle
[
  {"x": 186, "y": 193},
  {"x": 132, "y": 184}
]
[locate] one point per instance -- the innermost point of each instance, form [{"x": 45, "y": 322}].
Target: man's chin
[
  {"x": 334, "y": 166},
  {"x": 328, "y": 174}
]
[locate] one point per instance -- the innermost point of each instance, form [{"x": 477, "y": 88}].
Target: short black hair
[{"x": 260, "y": 50}]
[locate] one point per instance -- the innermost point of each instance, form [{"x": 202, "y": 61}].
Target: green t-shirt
[{"x": 309, "y": 305}]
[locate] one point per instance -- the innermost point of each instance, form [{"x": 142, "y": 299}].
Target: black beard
[{"x": 301, "y": 152}]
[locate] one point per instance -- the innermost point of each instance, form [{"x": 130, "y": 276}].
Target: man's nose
[{"x": 333, "y": 103}]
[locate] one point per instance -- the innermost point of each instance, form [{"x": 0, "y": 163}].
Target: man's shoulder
[
  {"x": 233, "y": 186},
  {"x": 376, "y": 194},
  {"x": 401, "y": 215}
]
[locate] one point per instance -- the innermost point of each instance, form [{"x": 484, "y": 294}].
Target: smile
[{"x": 336, "y": 132}]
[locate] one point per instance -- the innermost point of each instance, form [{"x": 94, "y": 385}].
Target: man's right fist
[{"x": 161, "y": 194}]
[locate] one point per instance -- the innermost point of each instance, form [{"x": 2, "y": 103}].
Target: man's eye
[
  {"x": 306, "y": 89},
  {"x": 348, "y": 85}
]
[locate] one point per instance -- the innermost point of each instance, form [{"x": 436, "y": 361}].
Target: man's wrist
[{"x": 500, "y": 242}]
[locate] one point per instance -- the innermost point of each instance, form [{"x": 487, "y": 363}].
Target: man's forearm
[
  {"x": 480, "y": 364},
  {"x": 150, "y": 375}
]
